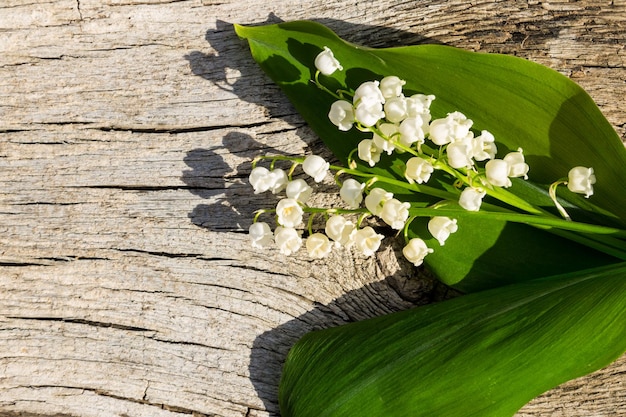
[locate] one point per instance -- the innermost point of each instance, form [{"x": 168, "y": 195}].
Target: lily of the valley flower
[
  {"x": 460, "y": 154},
  {"x": 497, "y": 172},
  {"x": 416, "y": 250},
  {"x": 326, "y": 63},
  {"x": 287, "y": 239},
  {"x": 391, "y": 86},
  {"x": 318, "y": 245},
  {"x": 471, "y": 199},
  {"x": 341, "y": 114},
  {"x": 369, "y": 152},
  {"x": 375, "y": 200},
  {"x": 368, "y": 112},
  {"x": 419, "y": 105},
  {"x": 418, "y": 170},
  {"x": 580, "y": 180},
  {"x": 316, "y": 167},
  {"x": 289, "y": 212},
  {"x": 299, "y": 190},
  {"x": 341, "y": 230},
  {"x": 367, "y": 241},
  {"x": 262, "y": 179},
  {"x": 454, "y": 127},
  {"x": 261, "y": 235},
  {"x": 395, "y": 109},
  {"x": 484, "y": 146},
  {"x": 351, "y": 193},
  {"x": 382, "y": 143},
  {"x": 368, "y": 91},
  {"x": 441, "y": 227},
  {"x": 413, "y": 129},
  {"x": 395, "y": 213},
  {"x": 517, "y": 165}
]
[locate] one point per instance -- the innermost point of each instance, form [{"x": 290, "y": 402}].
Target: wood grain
[{"x": 127, "y": 284}]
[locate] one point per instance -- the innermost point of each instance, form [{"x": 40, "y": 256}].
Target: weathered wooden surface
[{"x": 127, "y": 285}]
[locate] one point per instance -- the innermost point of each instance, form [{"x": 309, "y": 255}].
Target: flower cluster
[
  {"x": 344, "y": 226},
  {"x": 393, "y": 122}
]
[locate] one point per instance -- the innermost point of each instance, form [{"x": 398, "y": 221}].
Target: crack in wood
[{"x": 83, "y": 321}]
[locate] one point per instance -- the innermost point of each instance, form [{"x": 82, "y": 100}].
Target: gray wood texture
[{"x": 127, "y": 127}]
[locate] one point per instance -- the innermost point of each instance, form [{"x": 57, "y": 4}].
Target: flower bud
[
  {"x": 441, "y": 227},
  {"x": 581, "y": 180},
  {"x": 416, "y": 250},
  {"x": 316, "y": 167},
  {"x": 326, "y": 63},
  {"x": 367, "y": 241}
]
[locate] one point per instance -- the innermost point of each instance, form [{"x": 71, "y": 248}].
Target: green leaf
[
  {"x": 522, "y": 103},
  {"x": 483, "y": 354}
]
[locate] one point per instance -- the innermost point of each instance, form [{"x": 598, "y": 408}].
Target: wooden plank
[{"x": 127, "y": 285}]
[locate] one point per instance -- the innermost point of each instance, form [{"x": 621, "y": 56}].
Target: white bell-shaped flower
[
  {"x": 391, "y": 86},
  {"x": 385, "y": 144},
  {"x": 497, "y": 172},
  {"x": 326, "y": 63},
  {"x": 471, "y": 198},
  {"x": 262, "y": 179},
  {"x": 368, "y": 91},
  {"x": 261, "y": 235},
  {"x": 484, "y": 146},
  {"x": 341, "y": 230},
  {"x": 454, "y": 127},
  {"x": 413, "y": 130},
  {"x": 441, "y": 228},
  {"x": 418, "y": 170},
  {"x": 341, "y": 114},
  {"x": 289, "y": 212},
  {"x": 318, "y": 245},
  {"x": 416, "y": 250},
  {"x": 316, "y": 167},
  {"x": 287, "y": 239},
  {"x": 368, "y": 112},
  {"x": 419, "y": 105},
  {"x": 517, "y": 165},
  {"x": 369, "y": 152},
  {"x": 367, "y": 241},
  {"x": 395, "y": 109},
  {"x": 395, "y": 213},
  {"x": 375, "y": 200},
  {"x": 351, "y": 193},
  {"x": 580, "y": 180},
  {"x": 460, "y": 154},
  {"x": 298, "y": 189}
]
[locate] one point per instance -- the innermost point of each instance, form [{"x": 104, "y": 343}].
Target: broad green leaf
[
  {"x": 484, "y": 354},
  {"x": 522, "y": 103}
]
